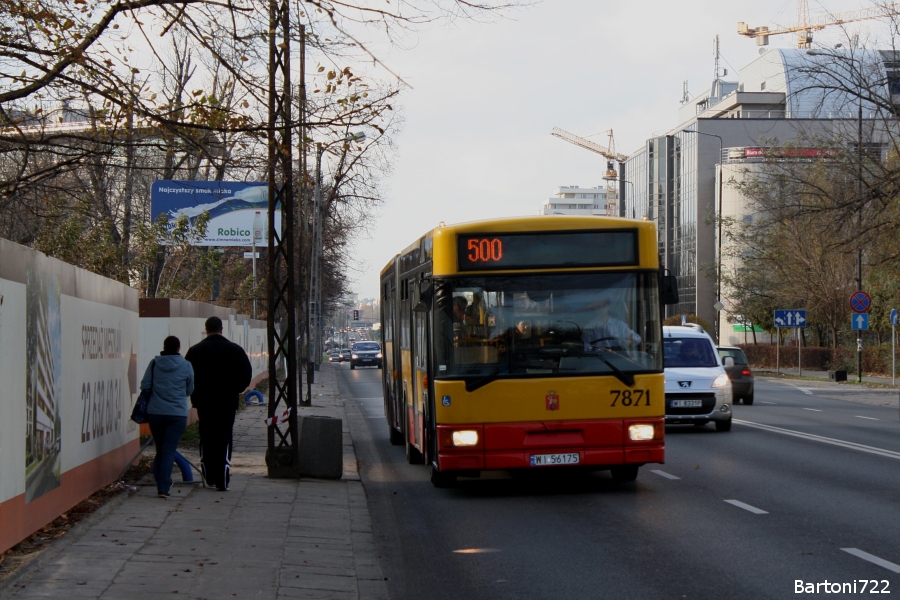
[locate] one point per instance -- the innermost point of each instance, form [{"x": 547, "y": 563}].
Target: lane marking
[
  {"x": 873, "y": 559},
  {"x": 664, "y": 474},
  {"x": 764, "y": 402},
  {"x": 869, "y": 418},
  {"x": 813, "y": 409},
  {"x": 753, "y": 509},
  {"x": 822, "y": 439},
  {"x": 475, "y": 550}
]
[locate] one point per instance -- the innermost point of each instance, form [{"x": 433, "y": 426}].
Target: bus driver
[{"x": 605, "y": 331}]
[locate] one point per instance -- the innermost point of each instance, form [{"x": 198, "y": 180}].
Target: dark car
[
  {"x": 740, "y": 375},
  {"x": 365, "y": 354},
  {"x": 345, "y": 355}
]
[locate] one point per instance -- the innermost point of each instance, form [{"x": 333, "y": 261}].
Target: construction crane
[
  {"x": 608, "y": 152},
  {"x": 804, "y": 29}
]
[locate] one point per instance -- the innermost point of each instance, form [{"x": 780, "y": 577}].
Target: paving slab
[{"x": 264, "y": 538}]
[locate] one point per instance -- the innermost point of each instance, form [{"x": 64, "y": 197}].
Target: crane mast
[{"x": 608, "y": 152}]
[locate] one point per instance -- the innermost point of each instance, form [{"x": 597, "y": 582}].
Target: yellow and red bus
[{"x": 524, "y": 343}]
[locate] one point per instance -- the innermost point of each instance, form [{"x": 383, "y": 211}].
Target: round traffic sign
[{"x": 860, "y": 302}]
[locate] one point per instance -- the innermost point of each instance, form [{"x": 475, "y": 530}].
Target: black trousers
[{"x": 216, "y": 426}]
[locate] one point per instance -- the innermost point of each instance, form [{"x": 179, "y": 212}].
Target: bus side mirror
[{"x": 668, "y": 289}]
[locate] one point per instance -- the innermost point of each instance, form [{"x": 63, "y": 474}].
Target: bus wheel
[
  {"x": 442, "y": 479},
  {"x": 413, "y": 456},
  {"x": 396, "y": 436},
  {"x": 624, "y": 473}
]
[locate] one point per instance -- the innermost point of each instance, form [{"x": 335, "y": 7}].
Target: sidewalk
[
  {"x": 264, "y": 538},
  {"x": 824, "y": 375}
]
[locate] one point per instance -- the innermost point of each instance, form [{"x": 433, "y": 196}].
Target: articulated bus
[{"x": 526, "y": 343}]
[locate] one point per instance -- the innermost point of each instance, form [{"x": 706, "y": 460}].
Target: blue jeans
[{"x": 166, "y": 430}]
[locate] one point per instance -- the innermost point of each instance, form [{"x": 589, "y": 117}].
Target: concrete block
[{"x": 320, "y": 446}]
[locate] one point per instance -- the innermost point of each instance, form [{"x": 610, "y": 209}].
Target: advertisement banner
[
  {"x": 68, "y": 353},
  {"x": 237, "y": 210}
]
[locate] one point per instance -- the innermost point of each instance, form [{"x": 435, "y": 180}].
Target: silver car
[{"x": 698, "y": 389}]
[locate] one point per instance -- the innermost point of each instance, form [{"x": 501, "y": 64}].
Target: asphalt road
[{"x": 804, "y": 490}]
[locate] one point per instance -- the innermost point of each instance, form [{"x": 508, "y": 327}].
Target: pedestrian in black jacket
[{"x": 221, "y": 372}]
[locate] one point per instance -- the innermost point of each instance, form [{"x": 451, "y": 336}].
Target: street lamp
[
  {"x": 315, "y": 336},
  {"x": 719, "y": 242}
]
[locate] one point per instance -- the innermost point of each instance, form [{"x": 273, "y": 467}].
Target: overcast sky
[{"x": 476, "y": 143}]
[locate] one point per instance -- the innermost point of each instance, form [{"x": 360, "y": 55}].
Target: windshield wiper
[
  {"x": 474, "y": 384},
  {"x": 626, "y": 378}
]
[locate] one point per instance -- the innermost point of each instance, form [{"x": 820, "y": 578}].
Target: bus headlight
[
  {"x": 640, "y": 432},
  {"x": 721, "y": 381},
  {"x": 465, "y": 437}
]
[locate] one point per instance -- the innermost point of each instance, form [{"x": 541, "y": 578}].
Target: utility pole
[
  {"x": 859, "y": 191},
  {"x": 282, "y": 453}
]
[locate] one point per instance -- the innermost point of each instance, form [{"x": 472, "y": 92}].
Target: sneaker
[{"x": 163, "y": 495}]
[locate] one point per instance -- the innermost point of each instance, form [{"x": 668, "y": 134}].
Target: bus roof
[{"x": 445, "y": 235}]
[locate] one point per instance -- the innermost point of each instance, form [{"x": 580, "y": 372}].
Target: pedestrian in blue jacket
[{"x": 172, "y": 381}]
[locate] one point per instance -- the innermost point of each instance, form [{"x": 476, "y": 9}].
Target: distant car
[
  {"x": 366, "y": 354},
  {"x": 334, "y": 356},
  {"x": 740, "y": 375},
  {"x": 345, "y": 355},
  {"x": 698, "y": 389}
]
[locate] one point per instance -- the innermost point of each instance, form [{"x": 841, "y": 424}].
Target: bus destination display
[{"x": 557, "y": 249}]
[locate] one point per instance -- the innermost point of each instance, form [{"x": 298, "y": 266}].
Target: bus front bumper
[{"x": 593, "y": 444}]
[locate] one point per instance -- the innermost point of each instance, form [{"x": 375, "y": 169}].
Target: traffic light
[{"x": 356, "y": 315}]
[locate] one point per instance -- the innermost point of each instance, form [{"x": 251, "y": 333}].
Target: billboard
[
  {"x": 236, "y": 209},
  {"x": 68, "y": 344}
]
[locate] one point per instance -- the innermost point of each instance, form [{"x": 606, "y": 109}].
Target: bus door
[
  {"x": 389, "y": 348},
  {"x": 421, "y": 345}
]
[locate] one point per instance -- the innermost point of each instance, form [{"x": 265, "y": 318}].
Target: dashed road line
[
  {"x": 747, "y": 507},
  {"x": 873, "y": 559},
  {"x": 764, "y": 402},
  {"x": 822, "y": 439},
  {"x": 664, "y": 474},
  {"x": 869, "y": 418},
  {"x": 813, "y": 409}
]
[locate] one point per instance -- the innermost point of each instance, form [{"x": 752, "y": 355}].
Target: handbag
[{"x": 139, "y": 412}]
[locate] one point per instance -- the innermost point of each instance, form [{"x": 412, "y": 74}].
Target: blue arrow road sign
[
  {"x": 860, "y": 321},
  {"x": 894, "y": 315},
  {"x": 790, "y": 318}
]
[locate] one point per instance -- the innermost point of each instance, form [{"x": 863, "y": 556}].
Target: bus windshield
[{"x": 489, "y": 327}]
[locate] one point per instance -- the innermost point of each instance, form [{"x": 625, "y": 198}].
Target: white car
[{"x": 697, "y": 387}]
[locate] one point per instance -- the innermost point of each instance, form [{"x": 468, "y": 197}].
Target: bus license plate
[
  {"x": 686, "y": 403},
  {"x": 544, "y": 460}
]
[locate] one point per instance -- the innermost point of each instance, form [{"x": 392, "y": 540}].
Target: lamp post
[
  {"x": 314, "y": 337},
  {"x": 719, "y": 234}
]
